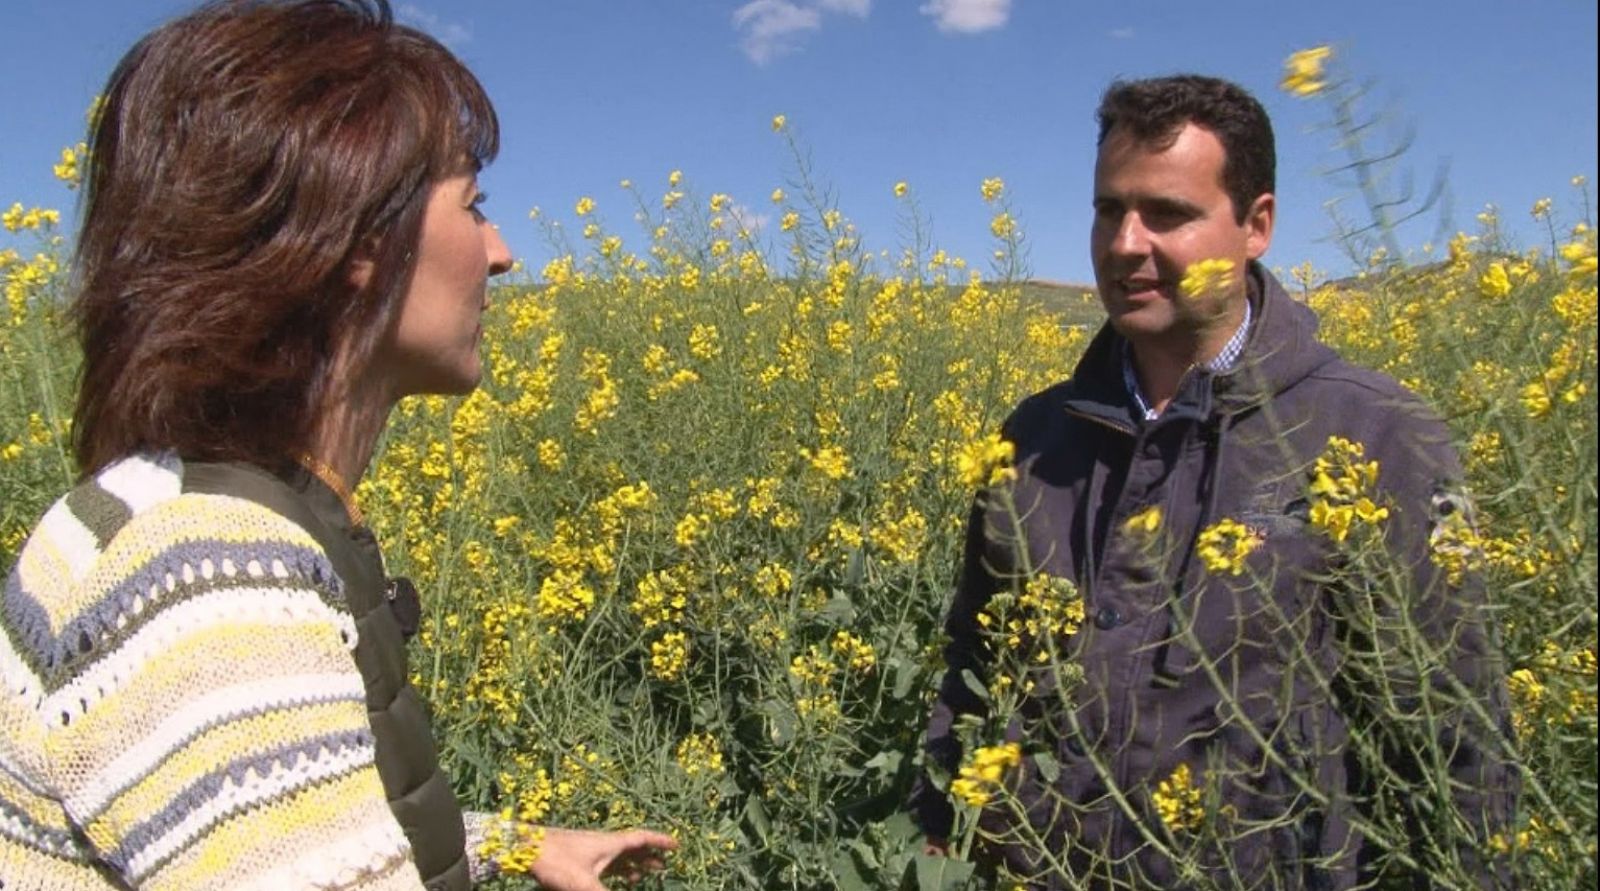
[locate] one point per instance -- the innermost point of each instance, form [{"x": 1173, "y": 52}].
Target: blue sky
[{"x": 938, "y": 93}]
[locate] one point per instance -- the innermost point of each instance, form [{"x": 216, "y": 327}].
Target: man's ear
[{"x": 1258, "y": 225}]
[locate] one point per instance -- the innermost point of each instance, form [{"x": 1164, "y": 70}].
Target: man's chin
[{"x": 1140, "y": 323}]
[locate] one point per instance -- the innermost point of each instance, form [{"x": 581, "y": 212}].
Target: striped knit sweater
[{"x": 180, "y": 706}]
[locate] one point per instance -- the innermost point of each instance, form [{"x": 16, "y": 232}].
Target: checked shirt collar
[{"x": 1223, "y": 361}]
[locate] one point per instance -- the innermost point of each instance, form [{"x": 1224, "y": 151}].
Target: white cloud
[
  {"x": 1122, "y": 33},
  {"x": 771, "y": 28},
  {"x": 452, "y": 34},
  {"x": 751, "y": 221},
  {"x": 857, "y": 8},
  {"x": 967, "y": 16}
]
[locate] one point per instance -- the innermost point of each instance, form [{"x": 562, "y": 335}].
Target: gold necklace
[{"x": 331, "y": 478}]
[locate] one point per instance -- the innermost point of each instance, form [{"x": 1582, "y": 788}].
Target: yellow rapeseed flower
[
  {"x": 830, "y": 461},
  {"x": 1224, "y": 545},
  {"x": 982, "y": 777},
  {"x": 1495, "y": 283},
  {"x": 986, "y": 462},
  {"x": 1177, "y": 801},
  {"x": 1002, "y": 226},
  {"x": 777, "y": 196},
  {"x": 1579, "y": 254},
  {"x": 70, "y": 170},
  {"x": 856, "y": 653},
  {"x": 564, "y": 597},
  {"x": 900, "y": 189},
  {"x": 669, "y": 656},
  {"x": 1303, "y": 74},
  {"x": 551, "y": 455},
  {"x": 584, "y": 207},
  {"x": 17, "y": 218},
  {"x": 704, "y": 342},
  {"x": 1144, "y": 522},
  {"x": 1535, "y": 399},
  {"x": 1207, "y": 278},
  {"x": 991, "y": 188},
  {"x": 699, "y": 753},
  {"x": 772, "y": 580},
  {"x": 1341, "y": 489},
  {"x": 779, "y": 122}
]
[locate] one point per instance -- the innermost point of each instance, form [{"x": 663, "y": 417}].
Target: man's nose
[{"x": 1131, "y": 237}]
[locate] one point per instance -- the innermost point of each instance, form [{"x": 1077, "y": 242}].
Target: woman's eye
[{"x": 476, "y": 206}]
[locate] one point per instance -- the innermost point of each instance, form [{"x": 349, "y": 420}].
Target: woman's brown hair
[{"x": 244, "y": 155}]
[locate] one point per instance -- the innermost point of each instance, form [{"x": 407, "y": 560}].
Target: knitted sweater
[{"x": 180, "y": 707}]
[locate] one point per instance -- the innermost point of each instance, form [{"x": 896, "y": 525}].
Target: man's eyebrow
[
  {"x": 1156, "y": 203},
  {"x": 1171, "y": 205}
]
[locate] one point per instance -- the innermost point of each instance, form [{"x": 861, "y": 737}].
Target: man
[{"x": 1258, "y": 705}]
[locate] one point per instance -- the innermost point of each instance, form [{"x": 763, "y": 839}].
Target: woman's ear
[{"x": 363, "y": 264}]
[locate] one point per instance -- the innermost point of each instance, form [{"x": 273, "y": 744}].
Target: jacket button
[{"x": 1106, "y": 618}]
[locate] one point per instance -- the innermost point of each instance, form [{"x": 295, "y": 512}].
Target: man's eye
[
  {"x": 1168, "y": 216},
  {"x": 476, "y": 206}
]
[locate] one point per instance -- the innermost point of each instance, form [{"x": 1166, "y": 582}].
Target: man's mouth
[{"x": 1140, "y": 286}]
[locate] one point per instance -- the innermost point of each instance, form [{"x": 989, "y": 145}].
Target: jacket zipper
[{"x": 1112, "y": 425}]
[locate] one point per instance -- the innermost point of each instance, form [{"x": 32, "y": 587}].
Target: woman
[{"x": 203, "y": 662}]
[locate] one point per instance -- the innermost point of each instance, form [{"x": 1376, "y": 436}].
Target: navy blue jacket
[{"x": 1252, "y": 679}]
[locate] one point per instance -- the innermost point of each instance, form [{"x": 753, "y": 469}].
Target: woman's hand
[{"x": 576, "y": 859}]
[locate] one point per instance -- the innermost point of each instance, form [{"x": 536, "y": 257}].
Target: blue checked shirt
[{"x": 1223, "y": 361}]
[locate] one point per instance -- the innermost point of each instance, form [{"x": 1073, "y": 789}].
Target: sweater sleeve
[{"x": 204, "y": 719}]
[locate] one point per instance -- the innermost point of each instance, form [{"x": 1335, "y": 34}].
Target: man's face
[{"x": 1157, "y": 211}]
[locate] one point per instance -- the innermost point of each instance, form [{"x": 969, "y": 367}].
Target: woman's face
[{"x": 433, "y": 347}]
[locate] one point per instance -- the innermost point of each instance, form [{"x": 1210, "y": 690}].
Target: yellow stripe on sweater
[
  {"x": 259, "y": 840},
  {"x": 42, "y": 812},
  {"x": 243, "y": 741},
  {"x": 208, "y": 658},
  {"x": 188, "y": 518},
  {"x": 25, "y": 867}
]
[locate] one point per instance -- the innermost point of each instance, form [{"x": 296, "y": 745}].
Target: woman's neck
[{"x": 348, "y": 430}]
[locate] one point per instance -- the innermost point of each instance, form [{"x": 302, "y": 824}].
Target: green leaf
[
  {"x": 901, "y": 828},
  {"x": 976, "y": 686},
  {"x": 1049, "y": 767},
  {"x": 847, "y": 873},
  {"x": 937, "y": 873},
  {"x": 905, "y": 676},
  {"x": 855, "y": 569},
  {"x": 755, "y": 816},
  {"x": 780, "y": 722},
  {"x": 839, "y": 610},
  {"x": 886, "y": 762},
  {"x": 869, "y": 858}
]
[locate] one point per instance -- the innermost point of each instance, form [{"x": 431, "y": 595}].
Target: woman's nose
[{"x": 499, "y": 255}]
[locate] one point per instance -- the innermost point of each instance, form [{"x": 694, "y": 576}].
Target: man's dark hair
[
  {"x": 1153, "y": 112},
  {"x": 245, "y": 156}
]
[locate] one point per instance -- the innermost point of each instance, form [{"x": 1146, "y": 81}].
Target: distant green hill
[{"x": 1078, "y": 304}]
